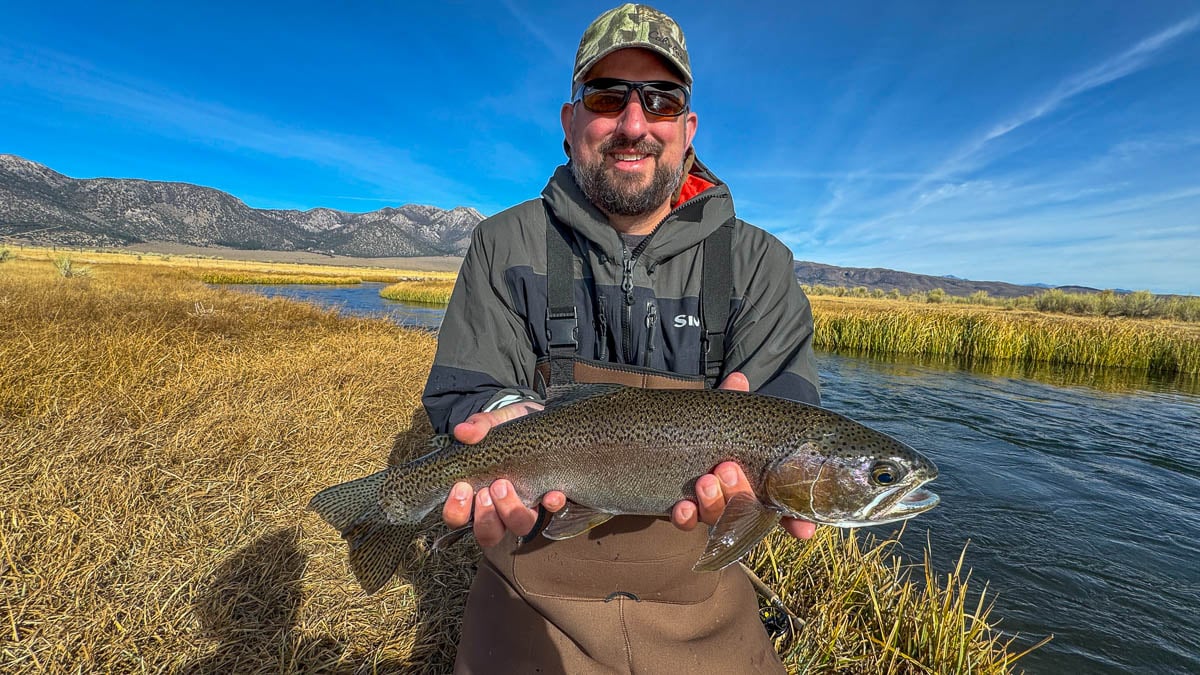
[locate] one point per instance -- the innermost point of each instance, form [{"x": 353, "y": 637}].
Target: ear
[
  {"x": 691, "y": 123},
  {"x": 567, "y": 117}
]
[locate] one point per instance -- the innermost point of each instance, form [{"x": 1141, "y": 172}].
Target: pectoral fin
[
  {"x": 573, "y": 520},
  {"x": 452, "y": 537},
  {"x": 743, "y": 524}
]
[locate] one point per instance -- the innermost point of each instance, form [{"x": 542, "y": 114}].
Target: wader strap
[
  {"x": 716, "y": 288},
  {"x": 562, "y": 319}
]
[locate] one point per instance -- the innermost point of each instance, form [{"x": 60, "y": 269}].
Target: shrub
[{"x": 68, "y": 270}]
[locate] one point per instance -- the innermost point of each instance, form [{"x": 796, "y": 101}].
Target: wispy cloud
[
  {"x": 168, "y": 113},
  {"x": 1126, "y": 63},
  {"x": 557, "y": 49},
  {"x": 1116, "y": 67},
  {"x": 945, "y": 180}
]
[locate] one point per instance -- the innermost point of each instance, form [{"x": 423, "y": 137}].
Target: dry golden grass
[
  {"x": 975, "y": 334},
  {"x": 161, "y": 439},
  {"x": 867, "y": 610},
  {"x": 235, "y": 271},
  {"x": 431, "y": 292}
]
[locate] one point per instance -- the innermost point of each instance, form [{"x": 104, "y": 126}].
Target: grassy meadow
[
  {"x": 971, "y": 334},
  {"x": 162, "y": 438}
]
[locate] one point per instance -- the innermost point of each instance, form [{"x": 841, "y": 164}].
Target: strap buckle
[{"x": 562, "y": 331}]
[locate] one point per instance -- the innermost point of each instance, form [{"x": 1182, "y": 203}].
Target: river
[{"x": 1078, "y": 493}]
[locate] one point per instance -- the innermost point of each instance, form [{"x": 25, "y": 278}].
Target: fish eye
[{"x": 885, "y": 473}]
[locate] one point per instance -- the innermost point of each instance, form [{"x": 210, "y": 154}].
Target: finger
[
  {"x": 800, "y": 529},
  {"x": 456, "y": 512},
  {"x": 684, "y": 515},
  {"x": 554, "y": 501},
  {"x": 736, "y": 382},
  {"x": 512, "y": 511},
  {"x": 729, "y": 479},
  {"x": 474, "y": 428},
  {"x": 733, "y": 479},
  {"x": 488, "y": 528},
  {"x": 709, "y": 499},
  {"x": 522, "y": 409}
]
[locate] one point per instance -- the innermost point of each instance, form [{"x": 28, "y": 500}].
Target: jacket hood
[{"x": 688, "y": 223}]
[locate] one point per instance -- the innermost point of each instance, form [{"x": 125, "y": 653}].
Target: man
[{"x": 630, "y": 268}]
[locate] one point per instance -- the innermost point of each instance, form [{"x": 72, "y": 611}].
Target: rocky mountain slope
[
  {"x": 873, "y": 278},
  {"x": 40, "y": 205}
]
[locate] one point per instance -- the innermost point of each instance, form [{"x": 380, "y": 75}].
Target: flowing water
[
  {"x": 1078, "y": 492},
  {"x": 357, "y": 299},
  {"x": 1079, "y": 503}
]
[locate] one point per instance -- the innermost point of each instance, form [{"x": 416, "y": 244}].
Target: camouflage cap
[{"x": 632, "y": 25}]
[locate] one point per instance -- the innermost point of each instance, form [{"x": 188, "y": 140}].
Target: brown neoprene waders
[{"x": 621, "y": 598}]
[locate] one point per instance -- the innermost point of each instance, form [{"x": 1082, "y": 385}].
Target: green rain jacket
[{"x": 494, "y": 330}]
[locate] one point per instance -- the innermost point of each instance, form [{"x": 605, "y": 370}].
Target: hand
[
  {"x": 713, "y": 490},
  {"x": 498, "y": 508}
]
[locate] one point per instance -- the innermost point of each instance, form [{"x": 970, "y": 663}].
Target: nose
[{"x": 632, "y": 120}]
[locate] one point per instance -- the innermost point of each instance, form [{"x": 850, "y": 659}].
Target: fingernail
[
  {"x": 708, "y": 489},
  {"x": 500, "y": 489},
  {"x": 459, "y": 493},
  {"x": 485, "y": 497},
  {"x": 728, "y": 476},
  {"x": 687, "y": 511}
]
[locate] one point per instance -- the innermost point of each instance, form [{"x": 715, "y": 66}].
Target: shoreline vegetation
[
  {"x": 163, "y": 437},
  {"x": 1138, "y": 332}
]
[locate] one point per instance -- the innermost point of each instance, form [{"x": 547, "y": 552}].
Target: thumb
[{"x": 736, "y": 382}]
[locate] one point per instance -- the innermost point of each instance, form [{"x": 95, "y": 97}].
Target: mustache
[{"x": 641, "y": 146}]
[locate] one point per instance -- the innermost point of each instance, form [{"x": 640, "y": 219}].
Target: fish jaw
[
  {"x": 912, "y": 503},
  {"x": 880, "y": 484}
]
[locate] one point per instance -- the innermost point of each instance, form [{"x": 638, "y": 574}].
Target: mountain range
[{"x": 41, "y": 206}]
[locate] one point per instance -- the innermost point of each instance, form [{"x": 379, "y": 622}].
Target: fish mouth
[
  {"x": 917, "y": 501},
  {"x": 914, "y": 502}
]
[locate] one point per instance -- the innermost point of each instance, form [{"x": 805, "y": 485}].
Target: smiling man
[{"x": 631, "y": 268}]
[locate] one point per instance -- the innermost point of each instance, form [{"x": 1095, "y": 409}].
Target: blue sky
[{"x": 1017, "y": 141}]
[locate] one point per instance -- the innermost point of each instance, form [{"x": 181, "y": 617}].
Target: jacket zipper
[
  {"x": 651, "y": 324},
  {"x": 628, "y": 259},
  {"x": 602, "y": 349},
  {"x": 627, "y": 309}
]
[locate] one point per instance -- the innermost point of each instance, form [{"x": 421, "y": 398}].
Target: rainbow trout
[{"x": 617, "y": 450}]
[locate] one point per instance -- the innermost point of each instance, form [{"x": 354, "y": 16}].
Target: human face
[{"x": 628, "y": 163}]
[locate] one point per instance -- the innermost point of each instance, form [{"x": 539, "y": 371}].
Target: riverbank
[
  {"x": 164, "y": 436},
  {"x": 969, "y": 334}
]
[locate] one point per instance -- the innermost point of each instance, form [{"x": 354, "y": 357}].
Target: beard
[{"x": 618, "y": 193}]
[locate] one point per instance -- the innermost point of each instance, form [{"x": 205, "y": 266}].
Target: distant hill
[
  {"x": 873, "y": 278},
  {"x": 40, "y": 205}
]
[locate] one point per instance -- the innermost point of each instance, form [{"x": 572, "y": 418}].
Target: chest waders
[{"x": 621, "y": 598}]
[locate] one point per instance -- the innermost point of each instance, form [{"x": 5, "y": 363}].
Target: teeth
[{"x": 629, "y": 158}]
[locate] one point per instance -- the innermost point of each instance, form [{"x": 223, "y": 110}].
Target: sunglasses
[{"x": 610, "y": 95}]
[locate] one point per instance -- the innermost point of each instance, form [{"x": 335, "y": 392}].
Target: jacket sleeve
[
  {"x": 771, "y": 331},
  {"x": 483, "y": 351}
]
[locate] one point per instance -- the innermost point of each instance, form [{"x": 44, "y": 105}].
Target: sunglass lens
[
  {"x": 605, "y": 100},
  {"x": 663, "y": 102},
  {"x": 664, "y": 99}
]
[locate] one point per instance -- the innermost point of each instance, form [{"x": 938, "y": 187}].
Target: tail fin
[{"x": 377, "y": 546}]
